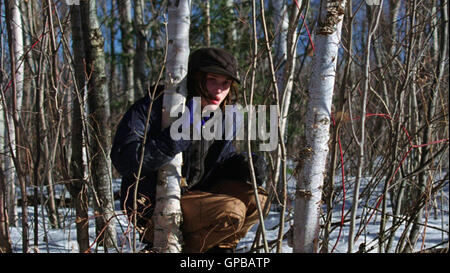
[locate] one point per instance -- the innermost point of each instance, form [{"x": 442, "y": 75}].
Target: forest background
[{"x": 63, "y": 95}]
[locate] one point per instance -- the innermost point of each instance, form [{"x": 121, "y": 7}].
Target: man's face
[{"x": 218, "y": 87}]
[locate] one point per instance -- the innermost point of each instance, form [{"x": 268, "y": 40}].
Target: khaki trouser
[{"x": 220, "y": 217}]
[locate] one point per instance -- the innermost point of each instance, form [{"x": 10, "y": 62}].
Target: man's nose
[{"x": 217, "y": 88}]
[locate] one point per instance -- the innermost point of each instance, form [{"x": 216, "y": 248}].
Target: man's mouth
[{"x": 214, "y": 100}]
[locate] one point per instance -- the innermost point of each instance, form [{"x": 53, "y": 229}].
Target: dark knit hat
[{"x": 213, "y": 60}]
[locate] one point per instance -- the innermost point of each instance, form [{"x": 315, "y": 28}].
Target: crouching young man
[{"x": 218, "y": 202}]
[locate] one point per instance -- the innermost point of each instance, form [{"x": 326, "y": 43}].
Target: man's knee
[
  {"x": 225, "y": 222},
  {"x": 234, "y": 213},
  {"x": 205, "y": 210}
]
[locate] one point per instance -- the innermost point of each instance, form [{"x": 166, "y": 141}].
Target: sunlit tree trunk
[
  {"x": 309, "y": 188},
  {"x": 5, "y": 243},
  {"x": 167, "y": 215},
  {"x": 14, "y": 103},
  {"x": 14, "y": 27}
]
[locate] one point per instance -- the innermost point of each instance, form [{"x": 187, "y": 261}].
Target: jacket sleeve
[
  {"x": 160, "y": 148},
  {"x": 236, "y": 167}
]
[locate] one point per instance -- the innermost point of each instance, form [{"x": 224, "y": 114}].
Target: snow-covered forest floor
[
  {"x": 436, "y": 215},
  {"x": 436, "y": 231}
]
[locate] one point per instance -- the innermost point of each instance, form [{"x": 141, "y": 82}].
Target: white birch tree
[
  {"x": 15, "y": 101},
  {"x": 309, "y": 188},
  {"x": 5, "y": 241},
  {"x": 17, "y": 26},
  {"x": 167, "y": 216}
]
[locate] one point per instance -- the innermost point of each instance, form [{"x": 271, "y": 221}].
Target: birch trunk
[
  {"x": 167, "y": 216},
  {"x": 100, "y": 129},
  {"x": 16, "y": 102},
  {"x": 5, "y": 242},
  {"x": 309, "y": 188},
  {"x": 14, "y": 27},
  {"x": 17, "y": 26},
  {"x": 329, "y": 188}
]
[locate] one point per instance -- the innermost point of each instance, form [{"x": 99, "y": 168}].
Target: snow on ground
[
  {"x": 64, "y": 240},
  {"x": 436, "y": 232}
]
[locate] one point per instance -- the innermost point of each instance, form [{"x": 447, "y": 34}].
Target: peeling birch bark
[
  {"x": 309, "y": 188},
  {"x": 167, "y": 216}
]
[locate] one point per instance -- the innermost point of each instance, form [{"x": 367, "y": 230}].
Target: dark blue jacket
[{"x": 159, "y": 149}]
